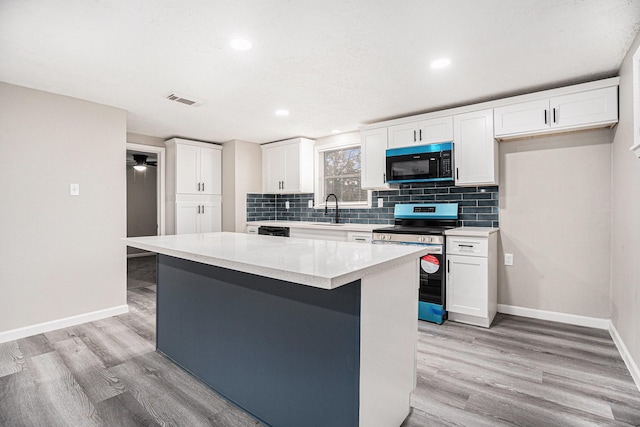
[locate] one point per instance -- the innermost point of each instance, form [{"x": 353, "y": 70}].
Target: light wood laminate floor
[{"x": 521, "y": 372}]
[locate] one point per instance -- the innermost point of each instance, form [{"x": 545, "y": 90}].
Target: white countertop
[
  {"x": 319, "y": 225},
  {"x": 471, "y": 231},
  {"x": 318, "y": 263}
]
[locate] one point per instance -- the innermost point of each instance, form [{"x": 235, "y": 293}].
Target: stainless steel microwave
[{"x": 424, "y": 163}]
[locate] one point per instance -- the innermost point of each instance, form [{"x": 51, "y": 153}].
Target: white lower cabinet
[
  {"x": 472, "y": 292},
  {"x": 198, "y": 217}
]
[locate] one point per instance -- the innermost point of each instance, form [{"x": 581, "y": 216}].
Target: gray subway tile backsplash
[{"x": 478, "y": 205}]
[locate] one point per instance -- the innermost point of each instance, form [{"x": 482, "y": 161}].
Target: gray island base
[{"x": 293, "y": 354}]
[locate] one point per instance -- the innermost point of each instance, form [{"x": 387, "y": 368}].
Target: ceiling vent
[{"x": 183, "y": 99}]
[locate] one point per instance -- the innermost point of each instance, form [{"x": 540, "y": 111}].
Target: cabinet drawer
[
  {"x": 469, "y": 246},
  {"x": 359, "y": 237}
]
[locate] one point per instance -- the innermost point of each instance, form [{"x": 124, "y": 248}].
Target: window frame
[{"x": 318, "y": 184}]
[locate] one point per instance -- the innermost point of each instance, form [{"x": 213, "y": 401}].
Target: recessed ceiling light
[
  {"x": 240, "y": 44},
  {"x": 336, "y": 131},
  {"x": 282, "y": 112},
  {"x": 440, "y": 63}
]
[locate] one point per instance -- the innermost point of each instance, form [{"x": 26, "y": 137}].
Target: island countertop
[{"x": 317, "y": 263}]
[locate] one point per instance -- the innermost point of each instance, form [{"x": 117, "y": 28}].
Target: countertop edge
[
  {"x": 472, "y": 231},
  {"x": 319, "y": 282}
]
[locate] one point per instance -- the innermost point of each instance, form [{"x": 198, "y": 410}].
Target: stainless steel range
[{"x": 424, "y": 224}]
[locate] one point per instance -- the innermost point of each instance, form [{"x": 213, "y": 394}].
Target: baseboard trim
[
  {"x": 571, "y": 319},
  {"x": 626, "y": 356},
  {"x": 27, "y": 331}
]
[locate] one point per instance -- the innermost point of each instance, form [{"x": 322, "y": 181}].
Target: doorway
[{"x": 145, "y": 209}]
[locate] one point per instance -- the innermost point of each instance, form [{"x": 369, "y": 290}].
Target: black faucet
[{"x": 326, "y": 205}]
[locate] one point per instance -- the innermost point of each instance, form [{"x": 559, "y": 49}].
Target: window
[{"x": 338, "y": 173}]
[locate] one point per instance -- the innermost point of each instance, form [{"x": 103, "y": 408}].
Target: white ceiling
[{"x": 331, "y": 63}]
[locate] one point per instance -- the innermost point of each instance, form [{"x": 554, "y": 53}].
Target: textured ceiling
[{"x": 332, "y": 64}]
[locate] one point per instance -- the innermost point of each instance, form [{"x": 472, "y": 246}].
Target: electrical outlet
[
  {"x": 380, "y": 202},
  {"x": 74, "y": 189},
  {"x": 310, "y": 204},
  {"x": 286, "y": 204},
  {"x": 508, "y": 259}
]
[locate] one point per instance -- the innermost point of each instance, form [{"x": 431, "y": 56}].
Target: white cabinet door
[
  {"x": 523, "y": 117},
  {"x": 436, "y": 130},
  {"x": 210, "y": 171},
  {"x": 210, "y": 218},
  {"x": 475, "y": 149},
  {"x": 467, "y": 285},
  {"x": 187, "y": 217},
  {"x": 291, "y": 181},
  {"x": 273, "y": 165},
  {"x": 373, "y": 162},
  {"x": 187, "y": 169},
  {"x": 403, "y": 135},
  {"x": 582, "y": 108}
]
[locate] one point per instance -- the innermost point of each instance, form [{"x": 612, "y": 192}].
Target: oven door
[{"x": 432, "y": 278}]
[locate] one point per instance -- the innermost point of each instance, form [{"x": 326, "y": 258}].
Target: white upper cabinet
[
  {"x": 287, "y": 166},
  {"x": 198, "y": 169},
  {"x": 475, "y": 149},
  {"x": 373, "y": 151},
  {"x": 436, "y": 130},
  {"x": 575, "y": 111},
  {"x": 420, "y": 133}
]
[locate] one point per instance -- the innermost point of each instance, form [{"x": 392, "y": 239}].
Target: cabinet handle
[
  {"x": 420, "y": 134},
  {"x": 198, "y": 209},
  {"x": 545, "y": 116},
  {"x": 202, "y": 208},
  {"x": 457, "y": 174},
  {"x": 283, "y": 185},
  {"x": 198, "y": 186},
  {"x": 554, "y": 116},
  {"x": 414, "y": 136},
  {"x": 466, "y": 246},
  {"x": 384, "y": 177},
  {"x": 448, "y": 266},
  {"x": 203, "y": 186}
]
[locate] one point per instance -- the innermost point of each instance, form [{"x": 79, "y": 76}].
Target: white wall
[
  {"x": 555, "y": 210},
  {"x": 625, "y": 277},
  {"x": 60, "y": 255},
  {"x": 241, "y": 174}
]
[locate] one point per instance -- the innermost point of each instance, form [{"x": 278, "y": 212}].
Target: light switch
[
  {"x": 74, "y": 189},
  {"x": 310, "y": 204},
  {"x": 380, "y": 202},
  {"x": 286, "y": 204},
  {"x": 508, "y": 259}
]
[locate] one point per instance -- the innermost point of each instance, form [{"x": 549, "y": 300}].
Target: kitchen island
[{"x": 294, "y": 331}]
